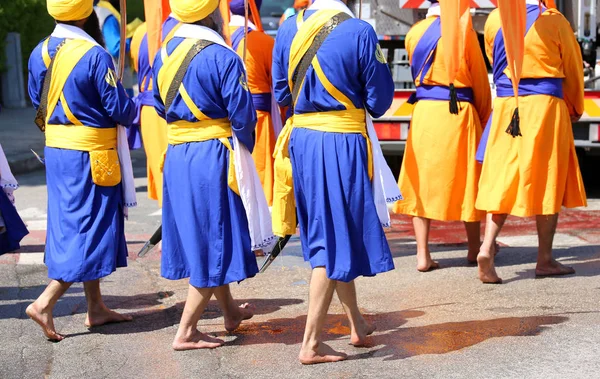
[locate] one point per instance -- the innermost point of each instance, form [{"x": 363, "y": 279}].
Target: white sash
[
  {"x": 251, "y": 191},
  {"x": 385, "y": 187},
  {"x": 129, "y": 197}
]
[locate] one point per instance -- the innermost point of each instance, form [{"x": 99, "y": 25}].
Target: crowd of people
[{"x": 249, "y": 138}]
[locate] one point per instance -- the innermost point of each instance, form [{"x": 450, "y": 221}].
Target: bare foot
[
  {"x": 103, "y": 315},
  {"x": 45, "y": 320},
  {"x": 553, "y": 268},
  {"x": 259, "y": 253},
  {"x": 426, "y": 266},
  {"x": 487, "y": 270},
  {"x": 472, "y": 256},
  {"x": 358, "y": 336},
  {"x": 322, "y": 354},
  {"x": 194, "y": 341},
  {"x": 243, "y": 312}
]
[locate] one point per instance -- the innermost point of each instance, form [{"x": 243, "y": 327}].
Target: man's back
[{"x": 350, "y": 59}]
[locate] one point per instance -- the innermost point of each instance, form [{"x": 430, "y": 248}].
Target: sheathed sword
[
  {"x": 152, "y": 242},
  {"x": 274, "y": 253}
]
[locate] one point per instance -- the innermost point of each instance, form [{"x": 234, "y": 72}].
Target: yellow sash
[
  {"x": 351, "y": 120},
  {"x": 108, "y": 6},
  {"x": 101, "y": 143},
  {"x": 76, "y": 136},
  {"x": 206, "y": 128}
]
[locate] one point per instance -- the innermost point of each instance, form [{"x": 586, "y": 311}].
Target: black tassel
[
  {"x": 514, "y": 128},
  {"x": 453, "y": 100}
]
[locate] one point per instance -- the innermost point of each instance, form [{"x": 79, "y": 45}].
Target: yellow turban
[
  {"x": 190, "y": 11},
  {"x": 70, "y": 10}
]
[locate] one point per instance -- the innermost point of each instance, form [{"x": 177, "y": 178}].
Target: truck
[{"x": 392, "y": 19}]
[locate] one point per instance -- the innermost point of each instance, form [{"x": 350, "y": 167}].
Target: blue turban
[{"x": 237, "y": 6}]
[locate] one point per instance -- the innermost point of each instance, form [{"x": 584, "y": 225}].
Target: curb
[{"x": 24, "y": 165}]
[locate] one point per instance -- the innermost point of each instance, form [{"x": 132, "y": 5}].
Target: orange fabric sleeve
[{"x": 573, "y": 87}]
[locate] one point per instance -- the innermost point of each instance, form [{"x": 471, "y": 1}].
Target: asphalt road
[{"x": 443, "y": 324}]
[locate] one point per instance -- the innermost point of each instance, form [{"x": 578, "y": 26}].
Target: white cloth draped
[
  {"x": 8, "y": 183},
  {"x": 385, "y": 187},
  {"x": 251, "y": 191},
  {"x": 129, "y": 196}
]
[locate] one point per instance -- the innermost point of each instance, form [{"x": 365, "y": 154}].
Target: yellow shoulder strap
[
  {"x": 307, "y": 31},
  {"x": 305, "y": 36},
  {"x": 300, "y": 18},
  {"x": 171, "y": 33},
  {"x": 169, "y": 69},
  {"x": 45, "y": 53},
  {"x": 108, "y": 6},
  {"x": 64, "y": 62}
]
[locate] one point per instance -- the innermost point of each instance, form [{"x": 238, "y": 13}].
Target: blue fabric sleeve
[
  {"x": 374, "y": 75},
  {"x": 158, "y": 102},
  {"x": 112, "y": 36},
  {"x": 238, "y": 100},
  {"x": 115, "y": 101},
  {"x": 36, "y": 77},
  {"x": 281, "y": 89}
]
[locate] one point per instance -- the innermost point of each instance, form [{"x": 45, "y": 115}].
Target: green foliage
[{"x": 30, "y": 19}]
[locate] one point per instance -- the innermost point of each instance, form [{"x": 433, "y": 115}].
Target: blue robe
[
  {"x": 85, "y": 235},
  {"x": 15, "y": 228},
  {"x": 339, "y": 226},
  {"x": 205, "y": 228}
]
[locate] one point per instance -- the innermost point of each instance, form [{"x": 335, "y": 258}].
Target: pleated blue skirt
[
  {"x": 86, "y": 236},
  {"x": 15, "y": 228},
  {"x": 205, "y": 229},
  {"x": 339, "y": 226}
]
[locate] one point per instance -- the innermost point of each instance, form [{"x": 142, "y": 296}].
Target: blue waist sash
[
  {"x": 237, "y": 36},
  {"x": 146, "y": 98},
  {"x": 262, "y": 101},
  {"x": 527, "y": 87},
  {"x": 441, "y": 93}
]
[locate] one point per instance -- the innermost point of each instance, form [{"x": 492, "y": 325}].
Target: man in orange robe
[
  {"x": 439, "y": 175},
  {"x": 536, "y": 172},
  {"x": 259, "y": 53}
]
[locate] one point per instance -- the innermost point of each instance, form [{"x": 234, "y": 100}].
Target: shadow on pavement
[
  {"x": 289, "y": 331},
  {"x": 448, "y": 337},
  {"x": 161, "y": 317}
]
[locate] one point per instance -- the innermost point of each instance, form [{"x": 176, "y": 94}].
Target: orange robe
[
  {"x": 538, "y": 173},
  {"x": 154, "y": 129},
  {"x": 439, "y": 176},
  {"x": 259, "y": 56}
]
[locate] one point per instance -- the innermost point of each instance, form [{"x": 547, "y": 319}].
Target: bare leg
[
  {"x": 424, "y": 261},
  {"x": 546, "y": 264},
  {"x": 188, "y": 336},
  {"x": 40, "y": 310},
  {"x": 485, "y": 259},
  {"x": 98, "y": 313},
  {"x": 359, "y": 327},
  {"x": 313, "y": 349},
  {"x": 232, "y": 314},
  {"x": 473, "y": 240}
]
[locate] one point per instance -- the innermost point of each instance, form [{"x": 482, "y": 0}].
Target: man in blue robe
[
  {"x": 205, "y": 227},
  {"x": 80, "y": 111},
  {"x": 341, "y": 234}
]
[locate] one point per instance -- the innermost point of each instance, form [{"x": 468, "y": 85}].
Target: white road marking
[
  {"x": 31, "y": 259},
  {"x": 36, "y": 225},
  {"x": 33, "y": 213},
  {"x": 157, "y": 213}
]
